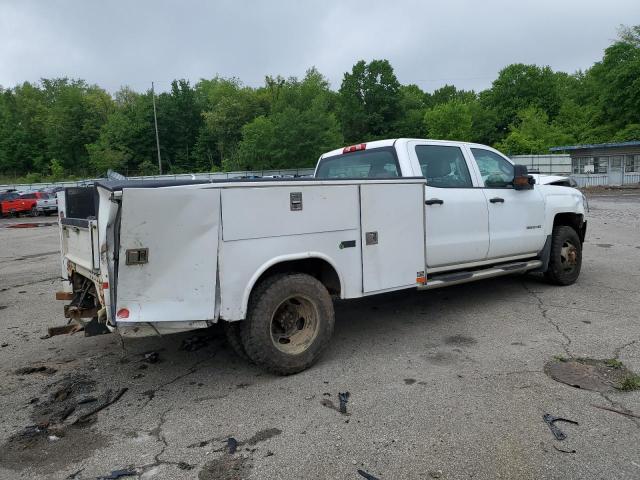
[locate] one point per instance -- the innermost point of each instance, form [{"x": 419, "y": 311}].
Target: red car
[{"x": 15, "y": 204}]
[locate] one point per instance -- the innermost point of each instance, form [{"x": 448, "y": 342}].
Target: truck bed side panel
[
  {"x": 268, "y": 211},
  {"x": 179, "y": 227},
  {"x": 393, "y": 235},
  {"x": 260, "y": 229}
]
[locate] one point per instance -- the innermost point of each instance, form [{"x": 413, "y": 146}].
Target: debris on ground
[
  {"x": 435, "y": 473},
  {"x": 232, "y": 445},
  {"x": 38, "y": 369},
  {"x": 344, "y": 398},
  {"x": 70, "y": 328},
  {"x": 5, "y": 344},
  {"x": 563, "y": 451},
  {"x": 599, "y": 375},
  {"x": 366, "y": 475},
  {"x": 551, "y": 421},
  {"x": 125, "y": 472},
  {"x": 196, "y": 342},
  {"x": 109, "y": 401},
  {"x": 151, "y": 357},
  {"x": 185, "y": 466}
]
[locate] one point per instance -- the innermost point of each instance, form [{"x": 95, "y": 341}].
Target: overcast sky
[{"x": 461, "y": 42}]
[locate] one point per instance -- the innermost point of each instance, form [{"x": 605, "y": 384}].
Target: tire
[
  {"x": 232, "y": 333},
  {"x": 565, "y": 261},
  {"x": 35, "y": 212},
  {"x": 289, "y": 323}
]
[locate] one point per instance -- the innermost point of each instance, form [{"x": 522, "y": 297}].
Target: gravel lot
[{"x": 444, "y": 384}]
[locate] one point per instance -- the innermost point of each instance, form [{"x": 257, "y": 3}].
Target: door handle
[
  {"x": 434, "y": 201},
  {"x": 497, "y": 200}
]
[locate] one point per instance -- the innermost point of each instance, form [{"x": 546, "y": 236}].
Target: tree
[
  {"x": 532, "y": 134},
  {"x": 369, "y": 101},
  {"x": 519, "y": 86},
  {"x": 450, "y": 121}
]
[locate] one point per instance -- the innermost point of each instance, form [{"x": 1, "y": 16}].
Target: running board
[{"x": 446, "y": 279}]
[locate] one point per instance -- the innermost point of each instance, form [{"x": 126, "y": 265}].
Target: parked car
[
  {"x": 23, "y": 204},
  {"x": 45, "y": 205},
  {"x": 7, "y": 196},
  {"x": 266, "y": 257}
]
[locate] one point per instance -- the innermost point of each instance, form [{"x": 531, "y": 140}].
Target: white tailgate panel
[
  {"x": 180, "y": 229},
  {"x": 78, "y": 245},
  {"x": 396, "y": 213},
  {"x": 266, "y": 211}
]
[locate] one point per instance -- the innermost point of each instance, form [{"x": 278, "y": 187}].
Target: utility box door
[
  {"x": 392, "y": 222},
  {"x": 168, "y": 254}
]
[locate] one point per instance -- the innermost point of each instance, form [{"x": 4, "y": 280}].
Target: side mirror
[{"x": 521, "y": 178}]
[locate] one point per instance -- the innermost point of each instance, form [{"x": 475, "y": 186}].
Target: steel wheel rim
[
  {"x": 568, "y": 256},
  {"x": 294, "y": 324}
]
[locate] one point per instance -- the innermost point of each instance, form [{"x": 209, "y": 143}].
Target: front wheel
[
  {"x": 566, "y": 256},
  {"x": 289, "y": 323},
  {"x": 35, "y": 212}
]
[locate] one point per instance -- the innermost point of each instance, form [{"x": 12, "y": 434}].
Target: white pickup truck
[{"x": 267, "y": 256}]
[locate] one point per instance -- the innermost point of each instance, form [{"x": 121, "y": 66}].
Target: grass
[
  {"x": 613, "y": 363},
  {"x": 630, "y": 382}
]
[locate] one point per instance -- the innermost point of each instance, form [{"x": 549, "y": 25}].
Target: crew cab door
[
  {"x": 456, "y": 213},
  {"x": 516, "y": 217}
]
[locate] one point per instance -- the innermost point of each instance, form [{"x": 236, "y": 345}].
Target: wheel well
[
  {"x": 573, "y": 220},
  {"x": 316, "y": 267}
]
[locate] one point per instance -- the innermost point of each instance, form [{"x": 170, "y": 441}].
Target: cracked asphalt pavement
[{"x": 443, "y": 384}]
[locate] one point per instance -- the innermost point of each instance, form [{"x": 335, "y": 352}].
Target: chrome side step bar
[{"x": 455, "y": 278}]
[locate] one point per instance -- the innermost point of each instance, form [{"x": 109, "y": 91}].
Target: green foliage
[
  {"x": 630, "y": 382},
  {"x": 532, "y": 134},
  {"x": 369, "y": 101},
  {"x": 62, "y": 127}
]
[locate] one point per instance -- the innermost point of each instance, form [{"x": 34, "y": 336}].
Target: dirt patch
[
  {"x": 61, "y": 433},
  {"x": 598, "y": 375},
  {"x": 227, "y": 467},
  {"x": 48, "y": 449},
  {"x": 460, "y": 340}
]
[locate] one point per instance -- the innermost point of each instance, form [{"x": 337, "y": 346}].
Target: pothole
[{"x": 598, "y": 375}]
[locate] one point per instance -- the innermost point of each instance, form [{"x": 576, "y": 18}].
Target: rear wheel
[
  {"x": 289, "y": 323},
  {"x": 565, "y": 261}
]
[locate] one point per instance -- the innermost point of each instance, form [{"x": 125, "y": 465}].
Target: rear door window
[
  {"x": 375, "y": 163},
  {"x": 443, "y": 166}
]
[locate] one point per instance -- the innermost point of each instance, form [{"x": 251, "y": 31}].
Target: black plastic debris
[
  {"x": 125, "y": 472},
  {"x": 550, "y": 420},
  {"x": 232, "y": 445},
  {"x": 151, "y": 357},
  {"x": 366, "y": 475},
  {"x": 344, "y": 398}
]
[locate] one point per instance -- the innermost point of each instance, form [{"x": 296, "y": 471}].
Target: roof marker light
[{"x": 354, "y": 148}]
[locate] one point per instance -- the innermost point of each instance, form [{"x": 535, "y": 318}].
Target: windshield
[{"x": 375, "y": 163}]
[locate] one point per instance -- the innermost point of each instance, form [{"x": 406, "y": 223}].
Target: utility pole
[{"x": 155, "y": 121}]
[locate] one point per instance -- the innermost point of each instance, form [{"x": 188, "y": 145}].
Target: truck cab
[{"x": 476, "y": 213}]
